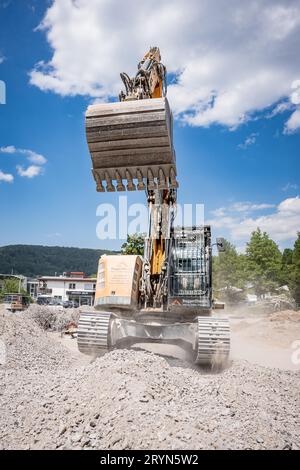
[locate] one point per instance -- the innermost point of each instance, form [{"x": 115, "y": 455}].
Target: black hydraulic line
[{"x": 127, "y": 82}]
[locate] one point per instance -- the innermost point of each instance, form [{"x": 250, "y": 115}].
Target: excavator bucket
[{"x": 131, "y": 142}]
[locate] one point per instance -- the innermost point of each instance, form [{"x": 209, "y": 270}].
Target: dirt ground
[
  {"x": 268, "y": 340},
  {"x": 53, "y": 397}
]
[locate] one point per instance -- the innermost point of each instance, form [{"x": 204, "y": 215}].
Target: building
[
  {"x": 73, "y": 286},
  {"x": 33, "y": 288}
]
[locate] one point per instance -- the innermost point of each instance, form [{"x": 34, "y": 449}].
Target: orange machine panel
[{"x": 118, "y": 281}]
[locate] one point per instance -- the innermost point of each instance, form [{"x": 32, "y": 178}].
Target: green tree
[
  {"x": 287, "y": 267},
  {"x": 264, "y": 262},
  {"x": 35, "y": 260},
  {"x": 295, "y": 276},
  {"x": 228, "y": 273},
  {"x": 287, "y": 256},
  {"x": 11, "y": 286},
  {"x": 134, "y": 245}
]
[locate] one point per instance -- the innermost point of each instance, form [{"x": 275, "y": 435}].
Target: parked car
[
  {"x": 43, "y": 300},
  {"x": 70, "y": 304}
]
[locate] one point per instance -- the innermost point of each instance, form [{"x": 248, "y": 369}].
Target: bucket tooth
[
  {"x": 120, "y": 185},
  {"x": 109, "y": 185},
  {"x": 151, "y": 185},
  {"x": 100, "y": 188},
  {"x": 173, "y": 181},
  {"x": 130, "y": 184},
  {"x": 141, "y": 185},
  {"x": 162, "y": 182}
]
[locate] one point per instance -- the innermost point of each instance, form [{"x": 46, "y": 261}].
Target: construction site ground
[{"x": 53, "y": 397}]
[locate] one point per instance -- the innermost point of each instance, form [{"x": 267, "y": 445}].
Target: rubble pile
[
  {"x": 127, "y": 399},
  {"x": 52, "y": 318}
]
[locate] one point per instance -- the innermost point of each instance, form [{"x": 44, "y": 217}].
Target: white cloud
[
  {"x": 290, "y": 186},
  {"x": 8, "y": 149},
  {"x": 29, "y": 172},
  {"x": 220, "y": 212},
  {"x": 250, "y": 140},
  {"x": 7, "y": 177},
  {"x": 230, "y": 58},
  {"x": 292, "y": 125},
  {"x": 222, "y": 222},
  {"x": 239, "y": 207},
  {"x": 32, "y": 170},
  {"x": 295, "y": 95},
  {"x": 280, "y": 108},
  {"x": 33, "y": 157},
  {"x": 282, "y": 224},
  {"x": 249, "y": 207}
]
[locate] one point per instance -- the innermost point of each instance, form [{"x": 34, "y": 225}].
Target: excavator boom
[{"x": 150, "y": 80}]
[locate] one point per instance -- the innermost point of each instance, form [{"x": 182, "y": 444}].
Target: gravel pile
[
  {"x": 27, "y": 346},
  {"x": 52, "y": 318},
  {"x": 134, "y": 399}
]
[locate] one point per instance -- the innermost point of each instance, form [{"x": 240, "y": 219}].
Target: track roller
[
  {"x": 93, "y": 332},
  {"x": 213, "y": 340}
]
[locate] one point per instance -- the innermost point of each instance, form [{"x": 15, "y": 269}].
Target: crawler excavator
[{"x": 165, "y": 296}]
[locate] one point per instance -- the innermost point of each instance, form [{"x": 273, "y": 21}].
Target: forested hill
[{"x": 36, "y": 260}]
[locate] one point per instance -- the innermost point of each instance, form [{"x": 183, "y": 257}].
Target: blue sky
[{"x": 236, "y": 113}]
